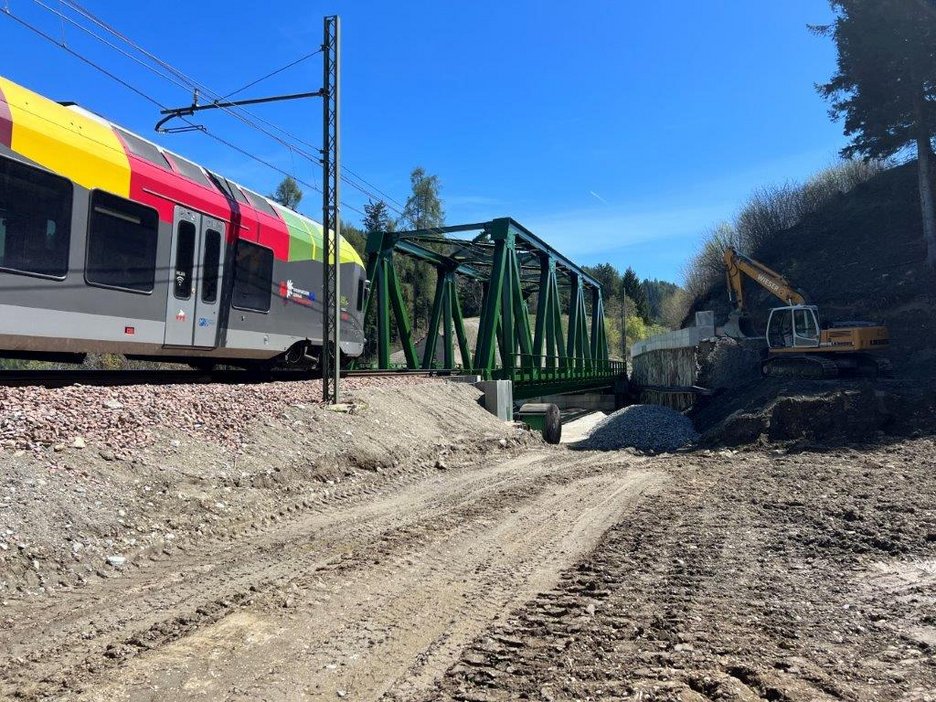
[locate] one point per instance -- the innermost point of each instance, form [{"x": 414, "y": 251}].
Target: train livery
[{"x": 111, "y": 244}]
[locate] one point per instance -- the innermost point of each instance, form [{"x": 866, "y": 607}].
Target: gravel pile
[
  {"x": 644, "y": 427},
  {"x": 124, "y": 418}
]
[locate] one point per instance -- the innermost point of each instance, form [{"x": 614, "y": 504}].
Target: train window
[
  {"x": 144, "y": 149},
  {"x": 121, "y": 244},
  {"x": 260, "y": 203},
  {"x": 35, "y": 220},
  {"x": 360, "y": 294},
  {"x": 211, "y": 266},
  {"x": 253, "y": 277},
  {"x": 191, "y": 170},
  {"x": 184, "y": 260},
  {"x": 238, "y": 195}
]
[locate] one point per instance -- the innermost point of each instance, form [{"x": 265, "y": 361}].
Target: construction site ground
[{"x": 415, "y": 548}]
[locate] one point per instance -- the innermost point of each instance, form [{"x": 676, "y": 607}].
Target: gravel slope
[{"x": 64, "y": 511}]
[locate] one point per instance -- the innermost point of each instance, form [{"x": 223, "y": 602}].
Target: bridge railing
[{"x": 533, "y": 368}]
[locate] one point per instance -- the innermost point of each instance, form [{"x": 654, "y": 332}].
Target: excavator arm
[{"x": 737, "y": 265}]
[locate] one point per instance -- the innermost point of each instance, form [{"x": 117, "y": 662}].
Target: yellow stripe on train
[{"x": 67, "y": 142}]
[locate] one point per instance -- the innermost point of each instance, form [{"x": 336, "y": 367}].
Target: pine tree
[
  {"x": 377, "y": 217},
  {"x": 423, "y": 210},
  {"x": 288, "y": 193},
  {"x": 885, "y": 85},
  {"x": 608, "y": 277},
  {"x": 635, "y": 291}
]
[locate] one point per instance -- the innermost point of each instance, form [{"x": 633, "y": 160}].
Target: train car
[{"x": 110, "y": 243}]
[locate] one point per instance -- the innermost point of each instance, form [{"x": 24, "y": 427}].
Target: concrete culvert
[{"x": 644, "y": 427}]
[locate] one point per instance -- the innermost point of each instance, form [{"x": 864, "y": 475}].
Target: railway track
[{"x": 61, "y": 378}]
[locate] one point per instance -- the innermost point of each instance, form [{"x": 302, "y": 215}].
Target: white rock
[{"x": 116, "y": 561}]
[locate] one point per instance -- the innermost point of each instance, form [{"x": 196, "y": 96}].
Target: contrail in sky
[{"x": 597, "y": 196}]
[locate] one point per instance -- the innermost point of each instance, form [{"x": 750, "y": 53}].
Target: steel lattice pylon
[{"x": 331, "y": 221}]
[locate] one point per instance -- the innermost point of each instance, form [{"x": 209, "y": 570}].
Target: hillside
[{"x": 861, "y": 256}]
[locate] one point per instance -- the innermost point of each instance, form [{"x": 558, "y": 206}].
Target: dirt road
[
  {"x": 756, "y": 575},
  {"x": 375, "y": 594}
]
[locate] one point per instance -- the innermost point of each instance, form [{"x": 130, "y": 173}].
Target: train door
[
  {"x": 210, "y": 275},
  {"x": 195, "y": 267}
]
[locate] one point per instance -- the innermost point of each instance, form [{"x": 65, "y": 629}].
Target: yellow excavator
[{"x": 798, "y": 345}]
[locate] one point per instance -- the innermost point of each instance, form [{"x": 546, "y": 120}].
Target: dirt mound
[
  {"x": 774, "y": 410},
  {"x": 67, "y": 509}
]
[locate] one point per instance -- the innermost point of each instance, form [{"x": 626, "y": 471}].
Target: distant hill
[{"x": 861, "y": 256}]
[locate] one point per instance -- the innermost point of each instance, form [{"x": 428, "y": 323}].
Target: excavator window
[
  {"x": 807, "y": 334},
  {"x": 780, "y": 329}
]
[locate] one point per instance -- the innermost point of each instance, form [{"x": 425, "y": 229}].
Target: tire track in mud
[
  {"x": 418, "y": 536},
  {"x": 422, "y": 605},
  {"x": 69, "y": 613},
  {"x": 742, "y": 580}
]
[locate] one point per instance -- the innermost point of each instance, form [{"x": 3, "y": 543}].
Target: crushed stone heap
[{"x": 644, "y": 427}]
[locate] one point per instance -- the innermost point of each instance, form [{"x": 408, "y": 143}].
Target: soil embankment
[
  {"x": 772, "y": 411},
  {"x": 324, "y": 554}
]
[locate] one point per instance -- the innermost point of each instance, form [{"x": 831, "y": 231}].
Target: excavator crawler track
[{"x": 800, "y": 366}]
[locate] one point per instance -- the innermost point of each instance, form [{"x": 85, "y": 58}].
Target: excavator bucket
[{"x": 739, "y": 326}]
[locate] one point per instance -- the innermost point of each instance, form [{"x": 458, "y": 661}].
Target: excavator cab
[{"x": 794, "y": 326}]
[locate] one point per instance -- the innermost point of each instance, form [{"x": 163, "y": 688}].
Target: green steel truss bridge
[{"x": 542, "y": 317}]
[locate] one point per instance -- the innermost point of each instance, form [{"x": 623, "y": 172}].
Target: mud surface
[
  {"x": 750, "y": 576},
  {"x": 374, "y": 594}
]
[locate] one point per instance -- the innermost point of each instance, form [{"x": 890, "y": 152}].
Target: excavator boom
[{"x": 737, "y": 263}]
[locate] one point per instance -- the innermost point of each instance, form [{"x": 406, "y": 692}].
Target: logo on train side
[
  {"x": 288, "y": 291},
  {"x": 180, "y": 315}
]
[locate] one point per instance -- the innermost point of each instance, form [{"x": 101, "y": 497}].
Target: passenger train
[{"x": 110, "y": 243}]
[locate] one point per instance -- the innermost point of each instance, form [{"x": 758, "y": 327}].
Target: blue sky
[{"x": 617, "y": 130}]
